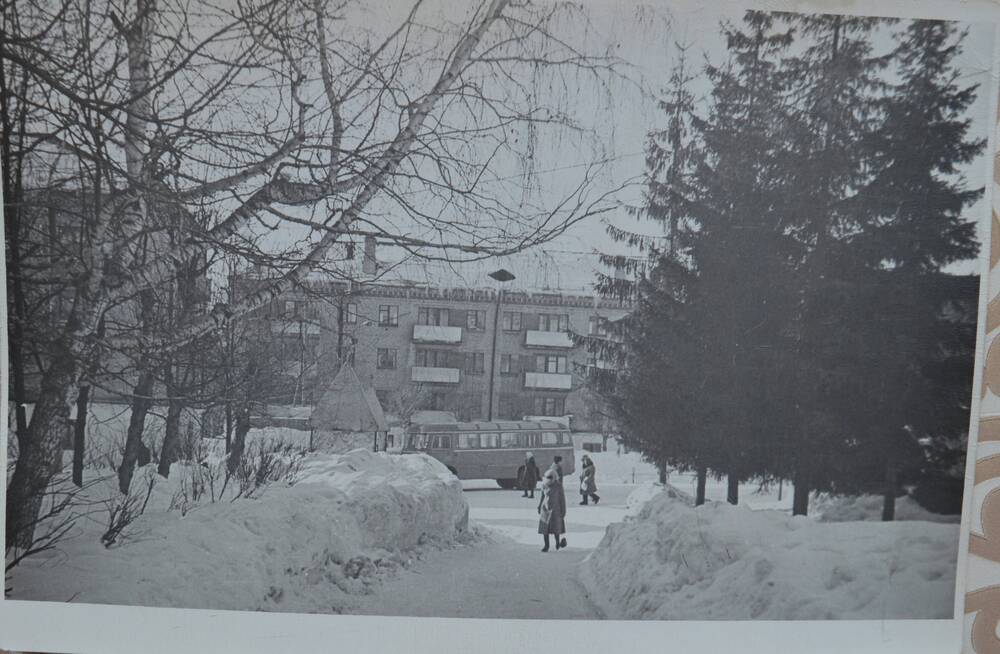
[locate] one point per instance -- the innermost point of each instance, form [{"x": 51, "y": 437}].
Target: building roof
[{"x": 349, "y": 405}]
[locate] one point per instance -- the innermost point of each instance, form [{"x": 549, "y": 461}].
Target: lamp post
[{"x": 501, "y": 276}]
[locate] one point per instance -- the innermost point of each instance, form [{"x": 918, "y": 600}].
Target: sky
[{"x": 620, "y": 116}]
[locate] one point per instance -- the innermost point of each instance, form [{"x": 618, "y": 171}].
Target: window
[
  {"x": 550, "y": 363},
  {"x": 550, "y": 438},
  {"x": 438, "y": 400},
  {"x": 468, "y": 440},
  {"x": 551, "y": 322},
  {"x": 504, "y": 364},
  {"x": 432, "y": 316},
  {"x": 350, "y": 251},
  {"x": 598, "y": 326},
  {"x": 475, "y": 319},
  {"x": 477, "y": 362},
  {"x": 351, "y": 313},
  {"x": 387, "y": 358},
  {"x": 550, "y": 406},
  {"x": 289, "y": 308},
  {"x": 512, "y": 321},
  {"x": 388, "y": 315},
  {"x": 432, "y": 358},
  {"x": 489, "y": 440},
  {"x": 510, "y": 439},
  {"x": 442, "y": 442}
]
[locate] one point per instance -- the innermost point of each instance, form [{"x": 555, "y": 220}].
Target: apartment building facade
[{"x": 433, "y": 348}]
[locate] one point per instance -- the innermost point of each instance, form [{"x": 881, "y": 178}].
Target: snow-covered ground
[
  {"x": 675, "y": 561},
  {"x": 311, "y": 546}
]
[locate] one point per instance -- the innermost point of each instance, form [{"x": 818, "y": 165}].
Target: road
[{"x": 506, "y": 576}]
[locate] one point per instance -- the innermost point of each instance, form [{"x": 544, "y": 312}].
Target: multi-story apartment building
[{"x": 427, "y": 347}]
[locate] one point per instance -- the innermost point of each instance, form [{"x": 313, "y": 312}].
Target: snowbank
[
  {"x": 675, "y": 561},
  {"x": 306, "y": 547},
  {"x": 869, "y": 507}
]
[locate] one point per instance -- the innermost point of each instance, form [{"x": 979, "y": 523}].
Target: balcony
[
  {"x": 434, "y": 375},
  {"x": 534, "y": 338},
  {"x": 294, "y": 328},
  {"x": 436, "y": 334},
  {"x": 548, "y": 381}
]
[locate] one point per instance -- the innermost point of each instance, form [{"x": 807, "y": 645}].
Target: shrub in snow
[{"x": 673, "y": 561}]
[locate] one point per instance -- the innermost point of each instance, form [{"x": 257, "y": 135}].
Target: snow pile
[
  {"x": 613, "y": 469},
  {"x": 675, "y": 561},
  {"x": 869, "y": 507},
  {"x": 311, "y": 546}
]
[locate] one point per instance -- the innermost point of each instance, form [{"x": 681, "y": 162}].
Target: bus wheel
[{"x": 506, "y": 484}]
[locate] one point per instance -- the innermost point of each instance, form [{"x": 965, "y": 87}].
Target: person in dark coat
[
  {"x": 552, "y": 511},
  {"x": 556, "y": 468},
  {"x": 588, "y": 484},
  {"x": 528, "y": 476}
]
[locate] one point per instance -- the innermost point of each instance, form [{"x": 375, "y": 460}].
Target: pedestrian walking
[
  {"x": 556, "y": 468},
  {"x": 588, "y": 482},
  {"x": 528, "y": 475},
  {"x": 552, "y": 511}
]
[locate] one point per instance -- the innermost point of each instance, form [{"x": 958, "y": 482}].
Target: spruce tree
[
  {"x": 836, "y": 84},
  {"x": 740, "y": 250},
  {"x": 919, "y": 199}
]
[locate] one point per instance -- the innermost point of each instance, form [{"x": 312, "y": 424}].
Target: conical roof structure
[{"x": 349, "y": 405}]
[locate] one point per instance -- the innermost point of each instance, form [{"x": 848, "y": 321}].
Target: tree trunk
[
  {"x": 800, "y": 494},
  {"x": 732, "y": 489},
  {"x": 141, "y": 400},
  {"x": 889, "y": 495},
  {"x": 662, "y": 469},
  {"x": 80, "y": 433},
  {"x": 170, "y": 451},
  {"x": 40, "y": 451},
  {"x": 699, "y": 497},
  {"x": 229, "y": 427},
  {"x": 82, "y": 408},
  {"x": 239, "y": 440}
]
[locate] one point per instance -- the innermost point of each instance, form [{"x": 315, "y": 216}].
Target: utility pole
[{"x": 501, "y": 276}]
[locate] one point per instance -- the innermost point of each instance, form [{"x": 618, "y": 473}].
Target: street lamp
[{"x": 501, "y": 276}]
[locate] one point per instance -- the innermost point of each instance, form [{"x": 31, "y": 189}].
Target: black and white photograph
[{"x": 499, "y": 309}]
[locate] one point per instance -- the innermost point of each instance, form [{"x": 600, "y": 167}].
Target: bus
[{"x": 492, "y": 450}]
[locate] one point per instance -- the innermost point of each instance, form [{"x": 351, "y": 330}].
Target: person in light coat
[
  {"x": 552, "y": 510},
  {"x": 588, "y": 484}
]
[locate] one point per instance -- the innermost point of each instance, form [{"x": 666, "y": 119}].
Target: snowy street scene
[{"x": 497, "y": 310}]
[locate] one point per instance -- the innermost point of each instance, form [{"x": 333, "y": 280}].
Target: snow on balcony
[
  {"x": 548, "y": 380},
  {"x": 434, "y": 375},
  {"x": 436, "y": 334},
  {"x": 533, "y": 338}
]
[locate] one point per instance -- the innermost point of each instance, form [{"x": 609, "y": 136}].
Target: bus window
[
  {"x": 418, "y": 441},
  {"x": 443, "y": 442},
  {"x": 510, "y": 439},
  {"x": 534, "y": 440},
  {"x": 490, "y": 440},
  {"x": 468, "y": 440},
  {"x": 565, "y": 439},
  {"x": 550, "y": 438}
]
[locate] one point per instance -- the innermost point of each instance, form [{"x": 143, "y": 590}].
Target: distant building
[{"x": 429, "y": 348}]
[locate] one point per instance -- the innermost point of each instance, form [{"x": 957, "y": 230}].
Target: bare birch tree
[{"x": 282, "y": 118}]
